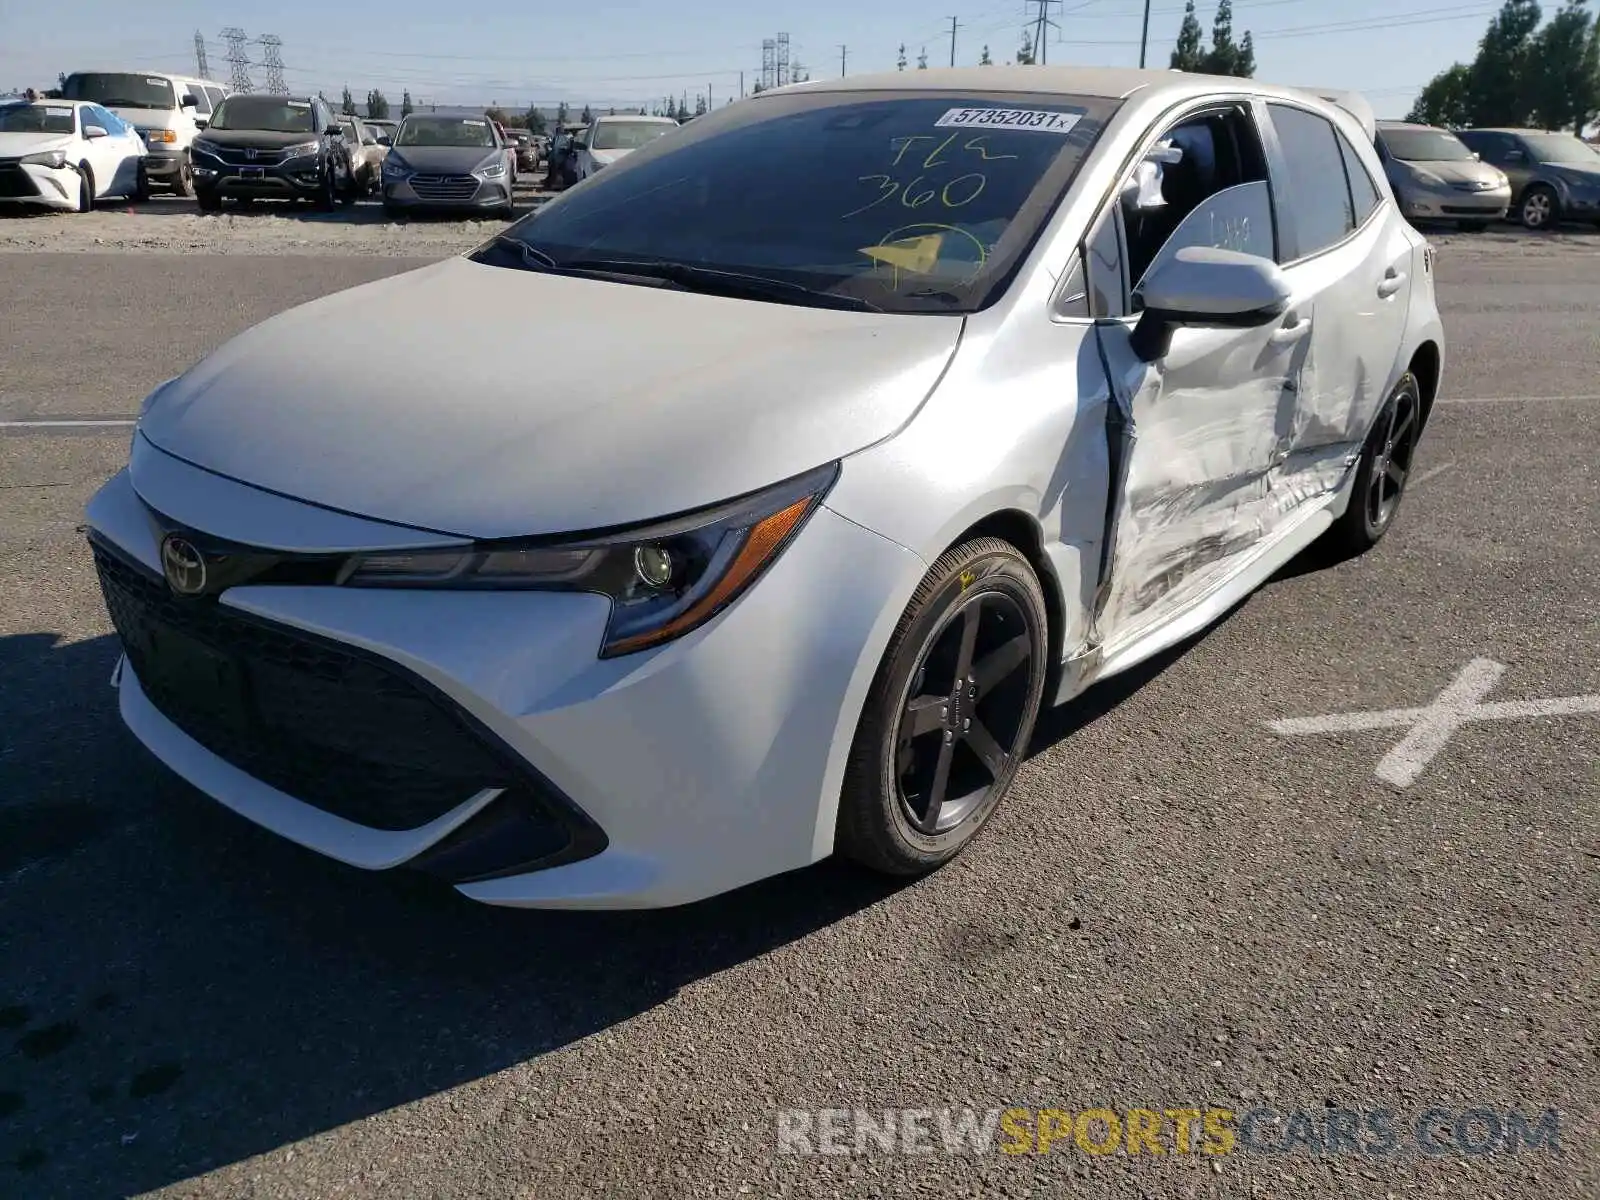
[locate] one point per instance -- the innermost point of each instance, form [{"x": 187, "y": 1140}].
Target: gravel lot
[{"x": 1176, "y": 908}]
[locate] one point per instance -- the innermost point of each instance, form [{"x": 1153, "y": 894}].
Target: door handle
[
  {"x": 1291, "y": 331},
  {"x": 1393, "y": 281}
]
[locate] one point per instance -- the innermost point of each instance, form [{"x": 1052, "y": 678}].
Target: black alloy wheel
[
  {"x": 950, "y": 714},
  {"x": 1386, "y": 463}
]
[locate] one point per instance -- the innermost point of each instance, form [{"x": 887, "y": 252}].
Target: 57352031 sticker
[{"x": 1036, "y": 120}]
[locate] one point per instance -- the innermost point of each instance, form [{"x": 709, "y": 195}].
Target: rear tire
[
  {"x": 1386, "y": 462},
  {"x": 950, "y": 714}
]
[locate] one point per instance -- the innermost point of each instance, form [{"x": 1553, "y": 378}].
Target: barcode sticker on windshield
[
  {"x": 155, "y": 81},
  {"x": 1036, "y": 120},
  {"x": 298, "y": 103},
  {"x": 470, "y": 121},
  {"x": 59, "y": 112}
]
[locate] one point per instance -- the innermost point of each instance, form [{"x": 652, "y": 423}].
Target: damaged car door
[{"x": 1203, "y": 421}]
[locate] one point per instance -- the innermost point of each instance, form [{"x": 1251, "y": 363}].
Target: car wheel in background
[
  {"x": 1539, "y": 208},
  {"x": 183, "y": 181},
  {"x": 85, "y": 188},
  {"x": 208, "y": 199},
  {"x": 1382, "y": 472},
  {"x": 950, "y": 713},
  {"x": 141, "y": 184}
]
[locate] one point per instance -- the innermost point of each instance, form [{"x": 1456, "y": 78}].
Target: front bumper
[
  {"x": 447, "y": 193},
  {"x": 668, "y": 776},
  {"x": 299, "y": 178},
  {"x": 164, "y": 164},
  {"x": 1450, "y": 203},
  {"x": 34, "y": 183}
]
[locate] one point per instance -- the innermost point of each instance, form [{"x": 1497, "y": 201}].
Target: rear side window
[
  {"x": 202, "y": 101},
  {"x": 1363, "y": 192},
  {"x": 1315, "y": 192},
  {"x": 214, "y": 94}
]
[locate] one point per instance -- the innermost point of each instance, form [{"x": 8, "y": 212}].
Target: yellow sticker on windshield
[{"x": 918, "y": 255}]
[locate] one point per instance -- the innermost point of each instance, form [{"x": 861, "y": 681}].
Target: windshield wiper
[
  {"x": 531, "y": 256},
  {"x": 715, "y": 281}
]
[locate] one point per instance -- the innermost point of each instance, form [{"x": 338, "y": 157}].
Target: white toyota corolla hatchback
[{"x": 876, "y": 414}]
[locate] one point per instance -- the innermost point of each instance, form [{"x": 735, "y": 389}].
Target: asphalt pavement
[{"x": 1178, "y": 907}]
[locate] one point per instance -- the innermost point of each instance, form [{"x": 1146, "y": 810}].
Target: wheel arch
[
  {"x": 1022, "y": 530},
  {"x": 1427, "y": 361}
]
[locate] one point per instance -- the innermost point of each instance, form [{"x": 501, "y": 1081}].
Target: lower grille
[
  {"x": 15, "y": 183},
  {"x": 452, "y": 189},
  {"x": 328, "y": 725}
]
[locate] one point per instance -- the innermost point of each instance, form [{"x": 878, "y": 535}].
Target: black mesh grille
[
  {"x": 333, "y": 727},
  {"x": 15, "y": 182}
]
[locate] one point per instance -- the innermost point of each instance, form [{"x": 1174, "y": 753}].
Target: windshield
[
  {"x": 915, "y": 203},
  {"x": 1559, "y": 148},
  {"x": 628, "y": 135},
  {"x": 268, "y": 114},
  {"x": 121, "y": 91},
  {"x": 35, "y": 118},
  {"x": 1424, "y": 145},
  {"x": 445, "y": 131}
]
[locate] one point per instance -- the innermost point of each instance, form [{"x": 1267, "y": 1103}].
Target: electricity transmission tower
[
  {"x": 769, "y": 64},
  {"x": 238, "y": 60},
  {"x": 200, "y": 63},
  {"x": 784, "y": 75},
  {"x": 1042, "y": 25},
  {"x": 272, "y": 59}
]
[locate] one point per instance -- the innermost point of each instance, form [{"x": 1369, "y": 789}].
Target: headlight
[
  {"x": 1427, "y": 177},
  {"x": 47, "y": 158},
  {"x": 303, "y": 150},
  {"x": 199, "y": 146},
  {"x": 160, "y": 137},
  {"x": 396, "y": 168},
  {"x": 493, "y": 170},
  {"x": 664, "y": 580}
]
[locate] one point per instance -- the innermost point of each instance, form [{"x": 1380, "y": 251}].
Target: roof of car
[
  {"x": 634, "y": 117},
  {"x": 1512, "y": 129},
  {"x": 1409, "y": 125},
  {"x": 1105, "y": 82}
]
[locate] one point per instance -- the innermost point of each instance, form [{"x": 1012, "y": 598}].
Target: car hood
[
  {"x": 606, "y": 157},
  {"x": 1455, "y": 171},
  {"x": 256, "y": 139},
  {"x": 1577, "y": 173},
  {"x": 445, "y": 160},
  {"x": 16, "y": 145},
  {"x": 148, "y": 118},
  {"x": 645, "y": 402}
]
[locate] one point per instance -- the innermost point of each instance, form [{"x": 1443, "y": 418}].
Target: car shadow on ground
[{"x": 180, "y": 990}]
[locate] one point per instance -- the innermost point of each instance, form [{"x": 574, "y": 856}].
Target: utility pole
[
  {"x": 1144, "y": 36},
  {"x": 953, "y": 28},
  {"x": 844, "y": 53},
  {"x": 1042, "y": 25},
  {"x": 741, "y": 85}
]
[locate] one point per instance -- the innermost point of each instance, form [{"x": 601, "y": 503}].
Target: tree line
[{"x": 1527, "y": 73}]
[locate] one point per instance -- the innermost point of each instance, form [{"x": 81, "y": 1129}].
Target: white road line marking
[
  {"x": 51, "y": 424},
  {"x": 1510, "y": 399},
  {"x": 1432, "y": 473},
  {"x": 1432, "y": 727}
]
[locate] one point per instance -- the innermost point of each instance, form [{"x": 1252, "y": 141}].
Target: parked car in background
[
  {"x": 819, "y": 503},
  {"x": 561, "y": 161},
  {"x": 611, "y": 139},
  {"x": 261, "y": 147},
  {"x": 366, "y": 153},
  {"x": 165, "y": 109},
  {"x": 527, "y": 152},
  {"x": 447, "y": 163},
  {"x": 1435, "y": 175},
  {"x": 68, "y": 154},
  {"x": 1554, "y": 176},
  {"x": 384, "y": 128}
]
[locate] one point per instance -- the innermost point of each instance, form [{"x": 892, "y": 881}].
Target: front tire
[
  {"x": 85, "y": 188},
  {"x": 950, "y": 714},
  {"x": 1539, "y": 209},
  {"x": 208, "y": 200},
  {"x": 141, "y": 185},
  {"x": 1381, "y": 475},
  {"x": 183, "y": 182}
]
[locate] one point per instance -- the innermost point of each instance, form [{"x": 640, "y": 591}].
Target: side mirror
[
  {"x": 188, "y": 101},
  {"x": 94, "y": 131},
  {"x": 1203, "y": 286}
]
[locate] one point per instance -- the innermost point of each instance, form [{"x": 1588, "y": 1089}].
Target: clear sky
[{"x": 606, "y": 52}]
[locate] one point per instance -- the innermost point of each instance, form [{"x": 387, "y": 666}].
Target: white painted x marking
[{"x": 1461, "y": 703}]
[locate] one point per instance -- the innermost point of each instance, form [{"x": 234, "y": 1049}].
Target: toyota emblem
[{"x": 184, "y": 566}]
